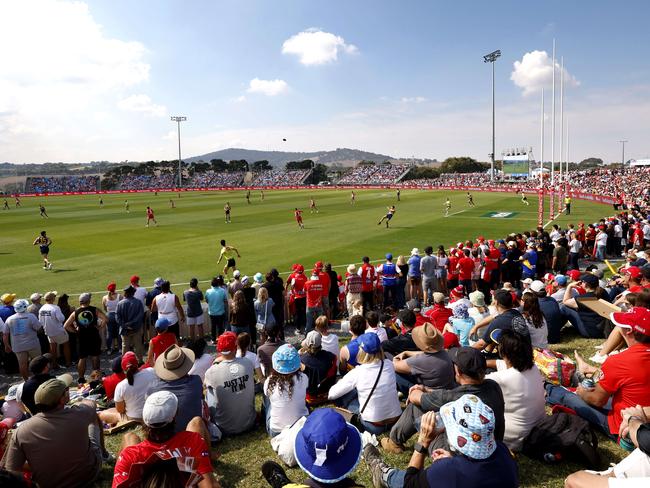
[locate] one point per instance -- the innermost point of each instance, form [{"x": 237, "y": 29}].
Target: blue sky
[{"x": 98, "y": 80}]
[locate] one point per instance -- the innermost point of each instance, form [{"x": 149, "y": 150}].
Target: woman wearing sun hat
[
  {"x": 479, "y": 459},
  {"x": 285, "y": 390},
  {"x": 370, "y": 389},
  {"x": 327, "y": 449}
]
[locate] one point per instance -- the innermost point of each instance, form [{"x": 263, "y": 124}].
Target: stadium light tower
[
  {"x": 491, "y": 58},
  {"x": 178, "y": 119},
  {"x": 623, "y": 152}
]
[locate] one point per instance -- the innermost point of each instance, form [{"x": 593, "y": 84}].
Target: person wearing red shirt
[
  {"x": 183, "y": 457},
  {"x": 465, "y": 268},
  {"x": 150, "y": 217},
  {"x": 452, "y": 279},
  {"x": 298, "y": 215},
  {"x": 439, "y": 314},
  {"x": 367, "y": 273},
  {"x": 160, "y": 343},
  {"x": 296, "y": 286},
  {"x": 110, "y": 382},
  {"x": 314, "y": 293},
  {"x": 637, "y": 237},
  {"x": 490, "y": 273},
  {"x": 624, "y": 377}
]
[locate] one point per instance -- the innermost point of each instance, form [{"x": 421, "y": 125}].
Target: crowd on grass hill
[
  {"x": 451, "y": 348},
  {"x": 279, "y": 177},
  {"x": 380, "y": 174}
]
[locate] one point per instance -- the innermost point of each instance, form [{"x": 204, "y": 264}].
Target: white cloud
[
  {"x": 240, "y": 99},
  {"x": 535, "y": 71},
  {"x": 270, "y": 88},
  {"x": 143, "y": 104},
  {"x": 59, "y": 68},
  {"x": 413, "y": 99},
  {"x": 313, "y": 47}
]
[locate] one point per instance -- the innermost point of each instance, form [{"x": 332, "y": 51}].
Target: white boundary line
[{"x": 455, "y": 213}]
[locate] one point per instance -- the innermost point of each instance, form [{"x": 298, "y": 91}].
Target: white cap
[
  {"x": 35, "y": 296},
  {"x": 245, "y": 280},
  {"x": 528, "y": 281},
  {"x": 236, "y": 273},
  {"x": 415, "y": 251},
  {"x": 12, "y": 393},
  {"x": 159, "y": 408},
  {"x": 313, "y": 339},
  {"x": 537, "y": 286}
]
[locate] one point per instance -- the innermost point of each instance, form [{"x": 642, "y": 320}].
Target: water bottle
[
  {"x": 588, "y": 384},
  {"x": 440, "y": 426},
  {"x": 550, "y": 457},
  {"x": 626, "y": 443}
]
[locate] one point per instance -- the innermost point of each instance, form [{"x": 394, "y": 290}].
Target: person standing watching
[
  {"x": 428, "y": 267},
  {"x": 130, "y": 317},
  {"x": 21, "y": 336},
  {"x": 85, "y": 322},
  {"x": 52, "y": 318},
  {"x": 217, "y": 301},
  {"x": 169, "y": 307}
]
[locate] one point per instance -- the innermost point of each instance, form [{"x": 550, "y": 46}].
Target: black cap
[
  {"x": 590, "y": 280},
  {"x": 38, "y": 364},
  {"x": 407, "y": 317},
  {"x": 470, "y": 361},
  {"x": 116, "y": 364}
]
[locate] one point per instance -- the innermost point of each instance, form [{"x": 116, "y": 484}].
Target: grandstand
[
  {"x": 277, "y": 177},
  {"x": 214, "y": 179},
  {"x": 382, "y": 174},
  {"x": 61, "y": 184}
]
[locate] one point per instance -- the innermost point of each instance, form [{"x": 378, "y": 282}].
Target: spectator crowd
[
  {"x": 61, "y": 184},
  {"x": 280, "y": 177},
  {"x": 446, "y": 352},
  {"x": 374, "y": 174}
]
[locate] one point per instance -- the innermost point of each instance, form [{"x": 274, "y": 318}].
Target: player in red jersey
[
  {"x": 298, "y": 214},
  {"x": 150, "y": 216}
]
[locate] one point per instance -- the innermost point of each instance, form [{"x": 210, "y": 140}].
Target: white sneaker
[{"x": 598, "y": 358}]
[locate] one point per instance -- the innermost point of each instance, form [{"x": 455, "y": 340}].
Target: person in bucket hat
[
  {"x": 479, "y": 460},
  {"x": 285, "y": 390},
  {"x": 327, "y": 449}
]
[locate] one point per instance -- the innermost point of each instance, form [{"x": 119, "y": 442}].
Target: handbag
[
  {"x": 556, "y": 367},
  {"x": 260, "y": 326}
]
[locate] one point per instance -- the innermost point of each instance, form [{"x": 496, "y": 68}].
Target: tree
[
  {"x": 294, "y": 165},
  {"x": 462, "y": 164},
  {"x": 238, "y": 165},
  {"x": 218, "y": 165},
  {"x": 590, "y": 163},
  {"x": 418, "y": 172},
  {"x": 366, "y": 162},
  {"x": 318, "y": 174},
  {"x": 262, "y": 165}
]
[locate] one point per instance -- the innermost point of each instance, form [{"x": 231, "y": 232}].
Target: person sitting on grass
[
  {"x": 202, "y": 360},
  {"x": 161, "y": 342},
  {"x": 129, "y": 393},
  {"x": 372, "y": 319},
  {"x": 348, "y": 354},
  {"x": 469, "y": 369},
  {"x": 479, "y": 460},
  {"x": 270, "y": 339},
  {"x": 230, "y": 388},
  {"x": 404, "y": 341},
  {"x": 522, "y": 386},
  {"x": 187, "y": 448},
  {"x": 243, "y": 346},
  {"x": 327, "y": 449},
  {"x": 329, "y": 341},
  {"x": 63, "y": 446},
  {"x": 370, "y": 389},
  {"x": 319, "y": 366},
  {"x": 40, "y": 368},
  {"x": 624, "y": 377},
  {"x": 285, "y": 391},
  {"x": 635, "y": 468},
  {"x": 429, "y": 366},
  {"x": 110, "y": 382}
]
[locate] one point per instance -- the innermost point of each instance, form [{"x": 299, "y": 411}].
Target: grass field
[{"x": 93, "y": 245}]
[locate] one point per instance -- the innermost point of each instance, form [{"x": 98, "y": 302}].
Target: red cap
[
  {"x": 637, "y": 319},
  {"x": 480, "y": 238},
  {"x": 549, "y": 276},
  {"x": 111, "y": 287},
  {"x": 299, "y": 268},
  {"x": 632, "y": 271},
  {"x": 227, "y": 342},
  {"x": 135, "y": 279},
  {"x": 491, "y": 243},
  {"x": 129, "y": 360},
  {"x": 574, "y": 274},
  {"x": 319, "y": 265}
]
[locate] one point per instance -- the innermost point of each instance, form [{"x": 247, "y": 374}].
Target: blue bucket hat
[
  {"x": 258, "y": 278},
  {"x": 561, "y": 280},
  {"x": 327, "y": 448},
  {"x": 286, "y": 359},
  {"x": 460, "y": 310},
  {"x": 389, "y": 256},
  {"x": 369, "y": 343},
  {"x": 469, "y": 424},
  {"x": 162, "y": 324}
]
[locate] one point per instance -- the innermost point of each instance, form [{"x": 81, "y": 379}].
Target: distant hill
[{"x": 344, "y": 156}]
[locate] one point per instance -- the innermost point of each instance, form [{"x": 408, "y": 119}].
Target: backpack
[{"x": 563, "y": 436}]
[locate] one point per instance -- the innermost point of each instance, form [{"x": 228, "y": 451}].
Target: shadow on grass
[{"x": 63, "y": 270}]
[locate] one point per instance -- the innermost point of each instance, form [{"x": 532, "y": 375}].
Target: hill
[{"x": 343, "y": 156}]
